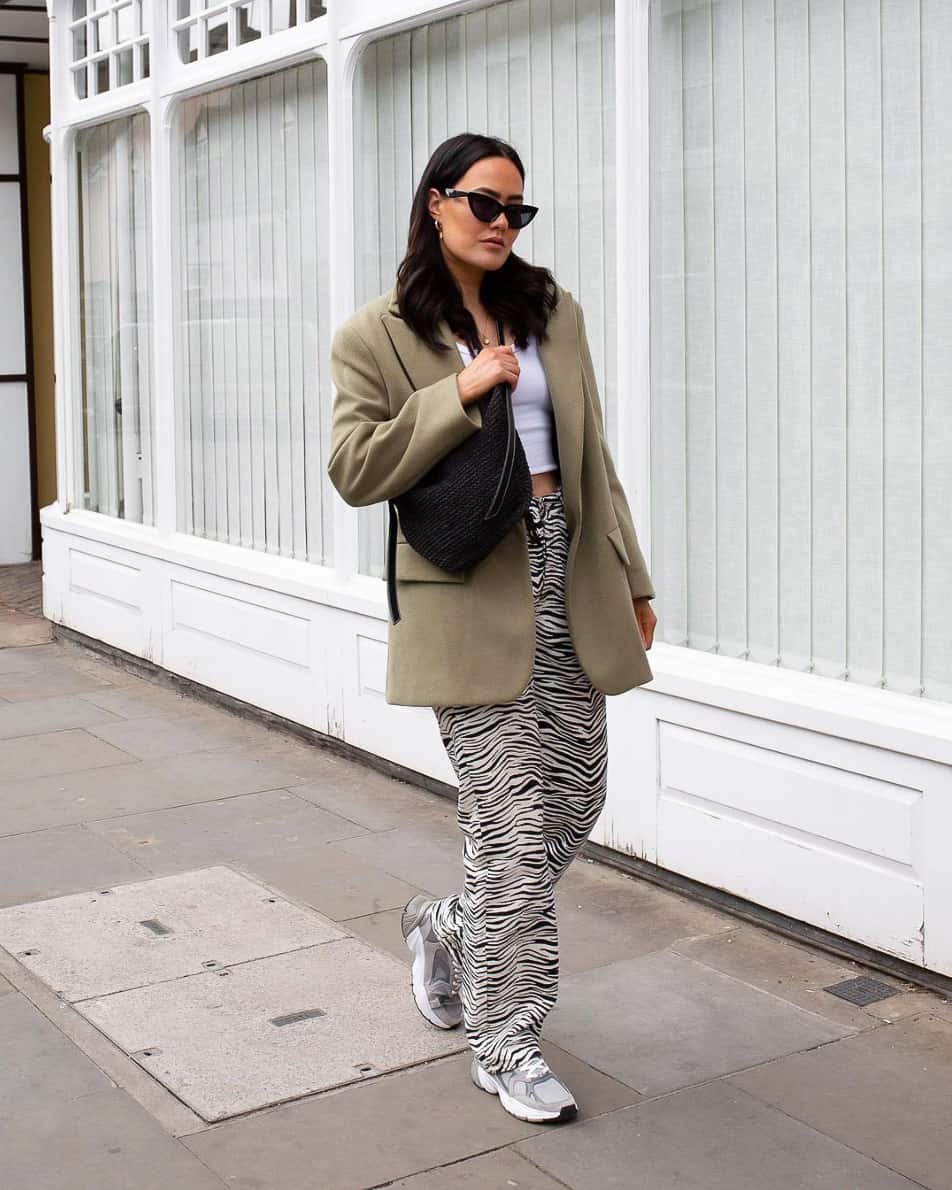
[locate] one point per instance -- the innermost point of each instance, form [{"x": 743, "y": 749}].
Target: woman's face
[{"x": 466, "y": 237}]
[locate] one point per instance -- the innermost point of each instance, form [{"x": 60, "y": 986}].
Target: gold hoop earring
[{"x": 439, "y": 227}]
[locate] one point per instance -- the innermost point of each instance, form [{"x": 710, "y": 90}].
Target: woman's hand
[
  {"x": 490, "y": 367},
  {"x": 646, "y": 619}
]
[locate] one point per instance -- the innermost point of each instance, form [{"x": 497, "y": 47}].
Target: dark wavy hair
[{"x": 521, "y": 294}]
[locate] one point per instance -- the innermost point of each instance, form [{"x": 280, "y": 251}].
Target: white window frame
[{"x": 881, "y": 718}]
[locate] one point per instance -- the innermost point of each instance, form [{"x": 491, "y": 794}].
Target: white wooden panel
[
  {"x": 853, "y": 809},
  {"x": 258, "y": 646},
  {"x": 241, "y": 623},
  {"x": 99, "y": 591},
  {"x": 879, "y": 907},
  {"x": 838, "y": 849},
  {"x": 116, "y": 583}
]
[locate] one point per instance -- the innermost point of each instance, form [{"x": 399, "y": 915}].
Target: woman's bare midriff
[{"x": 545, "y": 482}]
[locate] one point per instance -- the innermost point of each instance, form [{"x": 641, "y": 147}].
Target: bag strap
[
  {"x": 392, "y": 565},
  {"x": 392, "y": 602}
]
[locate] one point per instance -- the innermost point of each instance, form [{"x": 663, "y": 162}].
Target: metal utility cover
[
  {"x": 862, "y": 990},
  {"x": 100, "y": 942},
  {"x": 227, "y": 1042}
]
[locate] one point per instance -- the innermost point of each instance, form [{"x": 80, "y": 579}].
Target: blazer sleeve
[
  {"x": 639, "y": 580},
  {"x": 375, "y": 456}
]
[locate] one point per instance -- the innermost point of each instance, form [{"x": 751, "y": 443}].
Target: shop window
[
  {"x": 540, "y": 76},
  {"x": 109, "y": 43},
  {"x": 206, "y": 27},
  {"x": 801, "y": 223},
  {"x": 116, "y": 425},
  {"x": 253, "y": 389}
]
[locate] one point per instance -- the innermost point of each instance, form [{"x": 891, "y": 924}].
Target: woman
[{"x": 515, "y": 655}]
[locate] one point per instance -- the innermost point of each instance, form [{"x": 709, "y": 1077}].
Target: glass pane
[
  {"x": 79, "y": 81},
  {"x": 79, "y": 43},
  {"x": 125, "y": 19},
  {"x": 124, "y": 66},
  {"x": 249, "y": 22},
  {"x": 102, "y": 75},
  {"x": 115, "y": 319},
  {"x": 79, "y": 9},
  {"x": 104, "y": 32},
  {"x": 216, "y": 31},
  {"x": 144, "y": 51},
  {"x": 800, "y": 254},
  {"x": 314, "y": 10},
  {"x": 283, "y": 15},
  {"x": 188, "y": 43},
  {"x": 555, "y": 105},
  {"x": 254, "y": 389}
]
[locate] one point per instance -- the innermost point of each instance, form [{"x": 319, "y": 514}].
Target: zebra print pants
[{"x": 532, "y": 779}]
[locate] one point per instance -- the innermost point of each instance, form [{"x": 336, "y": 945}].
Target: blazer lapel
[{"x": 561, "y": 362}]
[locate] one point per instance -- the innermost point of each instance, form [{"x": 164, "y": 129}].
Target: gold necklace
[{"x": 483, "y": 338}]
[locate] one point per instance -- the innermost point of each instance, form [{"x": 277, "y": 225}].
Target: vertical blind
[
  {"x": 539, "y": 74},
  {"x": 801, "y": 355},
  {"x": 115, "y": 318},
  {"x": 253, "y": 413}
]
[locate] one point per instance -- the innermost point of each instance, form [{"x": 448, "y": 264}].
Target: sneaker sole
[
  {"x": 485, "y": 1081},
  {"x": 414, "y": 940}
]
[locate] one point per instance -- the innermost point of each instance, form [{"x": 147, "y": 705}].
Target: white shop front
[{"x": 753, "y": 204}]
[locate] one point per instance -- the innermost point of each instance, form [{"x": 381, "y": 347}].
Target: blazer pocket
[
  {"x": 413, "y": 567},
  {"x": 615, "y": 537}
]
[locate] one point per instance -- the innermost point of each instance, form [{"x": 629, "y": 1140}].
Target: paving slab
[
  {"x": 885, "y": 1092},
  {"x": 29, "y": 683},
  {"x": 31, "y": 659},
  {"x": 605, "y": 916},
  {"x": 376, "y": 801},
  {"x": 36, "y": 803},
  {"x": 431, "y": 857},
  {"x": 785, "y": 968},
  {"x": 381, "y": 930},
  {"x": 387, "y": 1128},
  {"x": 337, "y": 884},
  {"x": 663, "y": 1022},
  {"x": 144, "y": 699},
  {"x": 49, "y": 715},
  {"x": 97, "y": 943},
  {"x": 40, "y": 1067},
  {"x": 103, "y": 1142},
  {"x": 274, "y": 822},
  {"x": 55, "y": 752},
  {"x": 502, "y": 1170},
  {"x": 20, "y": 628},
  {"x": 59, "y": 861},
  {"x": 709, "y": 1138},
  {"x": 158, "y": 735},
  {"x": 263, "y": 1032}
]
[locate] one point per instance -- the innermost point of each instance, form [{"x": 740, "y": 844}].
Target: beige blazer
[{"x": 469, "y": 638}]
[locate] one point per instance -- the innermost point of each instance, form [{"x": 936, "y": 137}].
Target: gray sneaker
[
  {"x": 529, "y": 1092},
  {"x": 432, "y": 975}
]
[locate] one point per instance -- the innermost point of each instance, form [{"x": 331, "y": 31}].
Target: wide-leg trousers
[{"x": 532, "y": 777}]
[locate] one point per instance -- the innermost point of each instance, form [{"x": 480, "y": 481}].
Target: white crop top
[{"x": 531, "y": 407}]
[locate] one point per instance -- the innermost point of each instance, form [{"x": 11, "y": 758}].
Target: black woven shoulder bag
[{"x": 470, "y": 499}]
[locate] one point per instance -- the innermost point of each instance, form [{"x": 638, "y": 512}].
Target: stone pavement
[{"x": 203, "y": 983}]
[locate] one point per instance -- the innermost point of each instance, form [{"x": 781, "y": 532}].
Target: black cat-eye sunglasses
[{"x": 486, "y": 208}]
